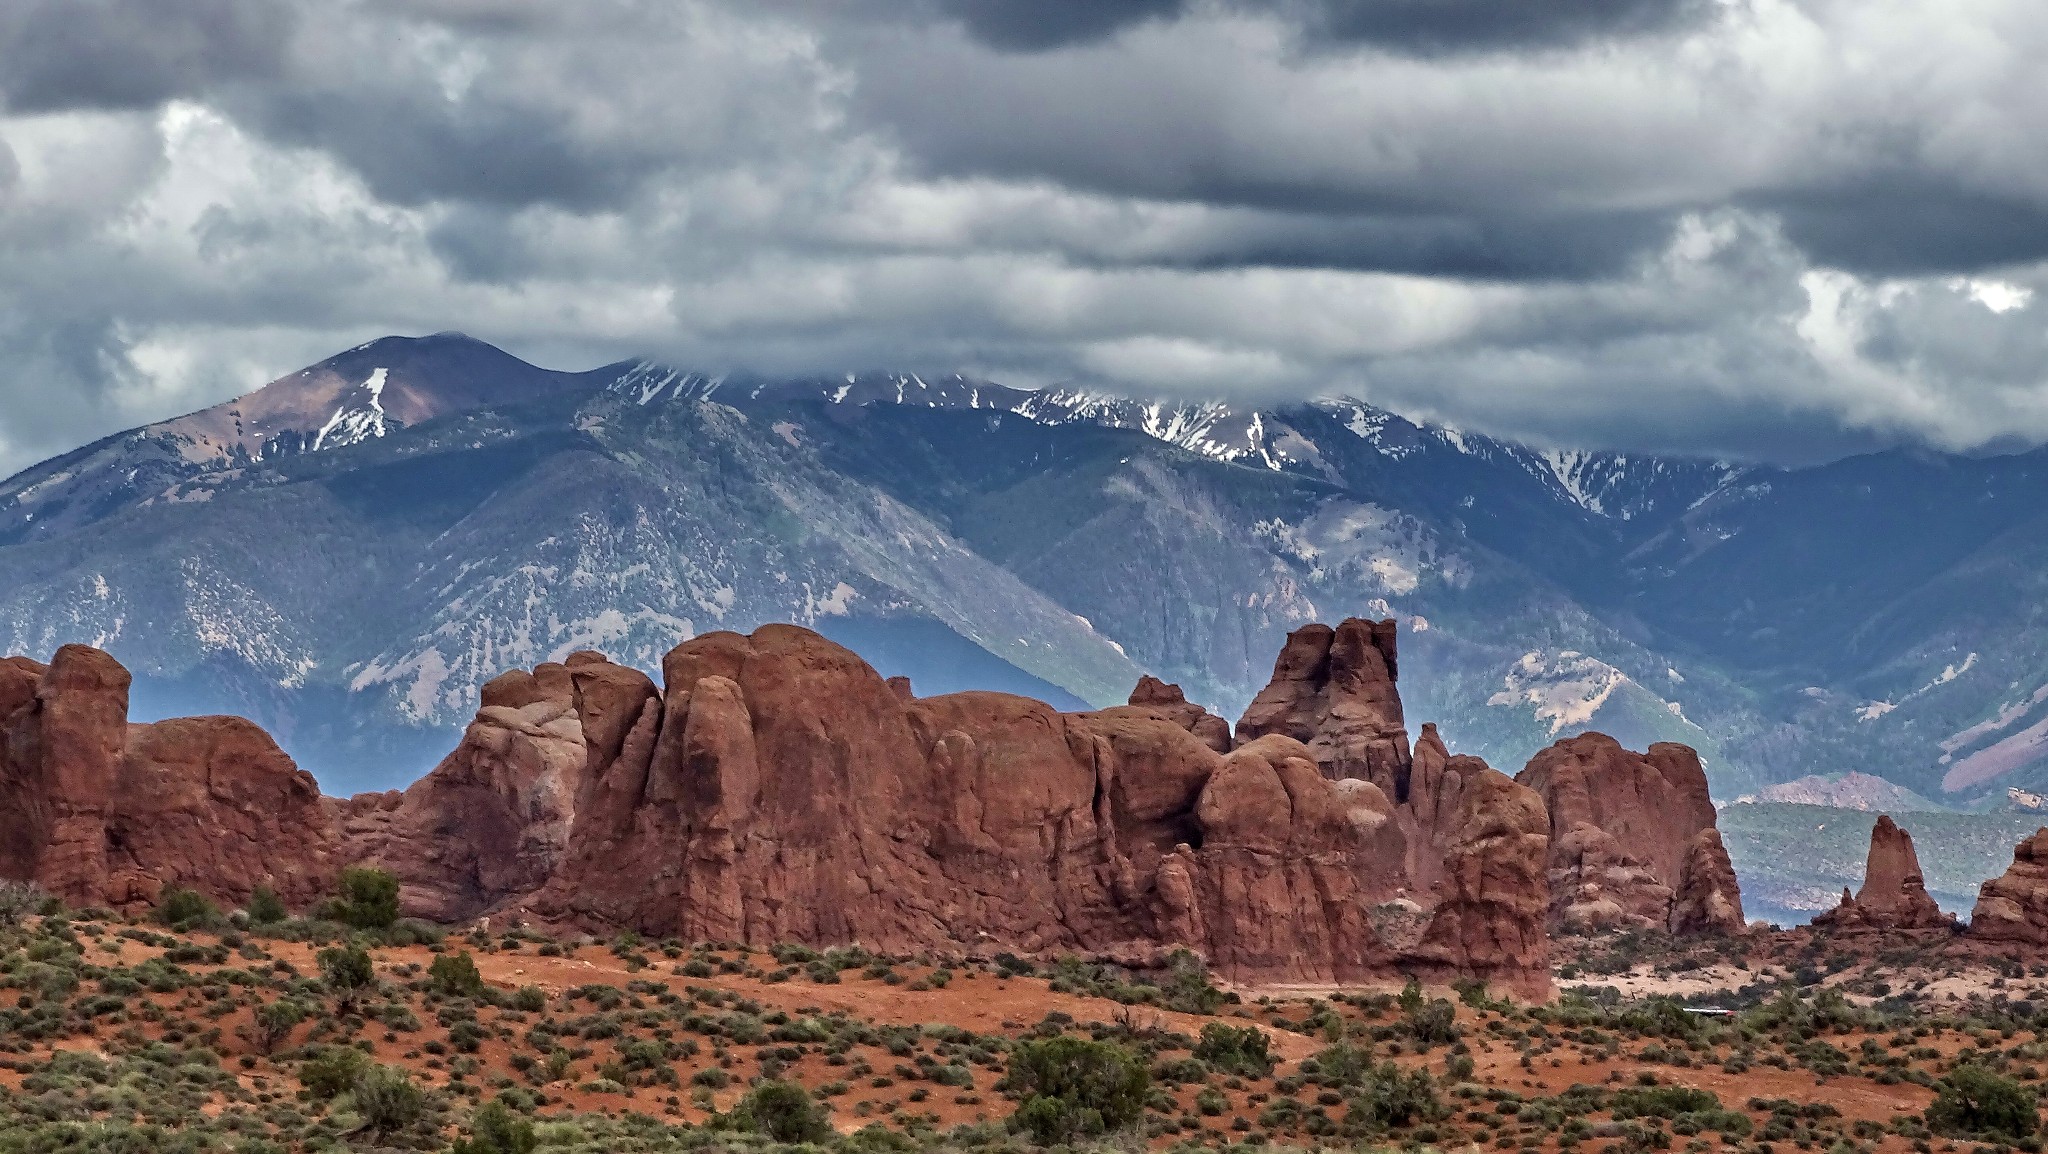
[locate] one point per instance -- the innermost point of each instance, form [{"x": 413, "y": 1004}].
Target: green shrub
[
  {"x": 1411, "y": 996},
  {"x": 333, "y": 1072},
  {"x": 274, "y": 1022},
  {"x": 495, "y": 1129},
  {"x": 1235, "y": 1049},
  {"x": 266, "y": 908},
  {"x": 388, "y": 1100},
  {"x": 183, "y": 909},
  {"x": 1661, "y": 1101},
  {"x": 1388, "y": 1096},
  {"x": 783, "y": 1111},
  {"x": 1074, "y": 1088},
  {"x": 455, "y": 976},
  {"x": 366, "y": 899},
  {"x": 531, "y": 999},
  {"x": 1973, "y": 1102},
  {"x": 1187, "y": 987},
  {"x": 1434, "y": 1023},
  {"x": 349, "y": 974}
]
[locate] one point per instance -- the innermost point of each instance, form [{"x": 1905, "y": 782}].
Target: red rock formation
[
  {"x": 1709, "y": 898},
  {"x": 112, "y": 813},
  {"x": 1894, "y": 895},
  {"x": 1166, "y": 700},
  {"x": 1632, "y": 838},
  {"x": 791, "y": 793},
  {"x": 493, "y": 818},
  {"x": 776, "y": 788},
  {"x": 1334, "y": 691},
  {"x": 2013, "y": 907}
]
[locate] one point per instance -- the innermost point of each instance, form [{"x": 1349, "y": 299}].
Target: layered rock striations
[
  {"x": 101, "y": 812},
  {"x": 1633, "y": 840},
  {"x": 774, "y": 787},
  {"x": 1894, "y": 894}
]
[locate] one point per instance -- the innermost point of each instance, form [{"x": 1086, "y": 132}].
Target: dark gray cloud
[
  {"x": 1416, "y": 26},
  {"x": 1035, "y": 25},
  {"x": 62, "y": 54},
  {"x": 1773, "y": 229},
  {"x": 1913, "y": 223},
  {"x": 1451, "y": 26}
]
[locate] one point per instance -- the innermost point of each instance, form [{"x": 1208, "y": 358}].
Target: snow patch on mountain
[
  {"x": 1566, "y": 688},
  {"x": 646, "y": 381},
  {"x": 228, "y": 617},
  {"x": 1384, "y": 549},
  {"x": 355, "y": 421},
  {"x": 1570, "y": 468},
  {"x": 1871, "y": 711}
]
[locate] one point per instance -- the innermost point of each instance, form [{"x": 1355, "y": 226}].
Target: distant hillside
[
  {"x": 1793, "y": 860},
  {"x": 1850, "y": 790}
]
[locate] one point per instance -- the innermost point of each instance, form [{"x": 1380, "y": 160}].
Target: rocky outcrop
[
  {"x": 2013, "y": 907},
  {"x": 777, "y": 788},
  {"x": 493, "y": 818},
  {"x": 1334, "y": 691},
  {"x": 1894, "y": 894},
  {"x": 774, "y": 787},
  {"x": 102, "y": 812},
  {"x": 1166, "y": 700},
  {"x": 1632, "y": 838}
]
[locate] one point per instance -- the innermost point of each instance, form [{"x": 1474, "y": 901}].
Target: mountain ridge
[{"x": 351, "y": 557}]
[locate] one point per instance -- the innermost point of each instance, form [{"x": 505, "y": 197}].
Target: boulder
[
  {"x": 1894, "y": 894},
  {"x": 1633, "y": 840}
]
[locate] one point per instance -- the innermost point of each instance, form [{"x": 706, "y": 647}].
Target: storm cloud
[{"x": 1759, "y": 228}]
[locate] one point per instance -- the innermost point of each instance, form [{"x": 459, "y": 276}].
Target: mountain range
[{"x": 346, "y": 554}]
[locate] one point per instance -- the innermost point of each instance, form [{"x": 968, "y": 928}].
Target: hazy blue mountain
[{"x": 349, "y": 552}]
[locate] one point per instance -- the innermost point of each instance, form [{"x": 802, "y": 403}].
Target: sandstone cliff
[
  {"x": 493, "y": 818},
  {"x": 1632, "y": 838},
  {"x": 101, "y": 812},
  {"x": 779, "y": 789},
  {"x": 774, "y": 787}
]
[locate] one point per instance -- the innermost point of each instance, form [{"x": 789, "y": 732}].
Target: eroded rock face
[
  {"x": 2013, "y": 907},
  {"x": 1894, "y": 894},
  {"x": 775, "y": 788},
  {"x": 1334, "y": 691},
  {"x": 493, "y": 818},
  {"x": 790, "y": 793},
  {"x": 112, "y": 814},
  {"x": 1166, "y": 700},
  {"x": 1633, "y": 840}
]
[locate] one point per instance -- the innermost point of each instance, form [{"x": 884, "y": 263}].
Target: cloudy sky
[{"x": 1769, "y": 228}]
